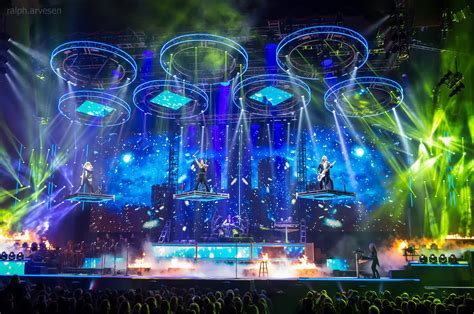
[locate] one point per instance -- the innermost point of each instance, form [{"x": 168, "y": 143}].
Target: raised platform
[
  {"x": 200, "y": 196},
  {"x": 437, "y": 274},
  {"x": 325, "y": 195},
  {"x": 90, "y": 197},
  {"x": 242, "y": 252}
]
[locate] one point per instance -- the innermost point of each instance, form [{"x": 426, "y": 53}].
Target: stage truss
[
  {"x": 319, "y": 52},
  {"x": 170, "y": 99},
  {"x": 95, "y": 65},
  {"x": 271, "y": 95},
  {"x": 203, "y": 58},
  {"x": 364, "y": 96},
  {"x": 94, "y": 108}
]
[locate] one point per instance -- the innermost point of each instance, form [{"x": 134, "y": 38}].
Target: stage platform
[
  {"x": 90, "y": 197},
  {"x": 325, "y": 195},
  {"x": 201, "y": 196},
  {"x": 242, "y": 252},
  {"x": 437, "y": 274}
]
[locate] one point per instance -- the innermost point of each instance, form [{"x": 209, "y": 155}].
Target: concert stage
[
  {"x": 200, "y": 196},
  {"x": 90, "y": 197},
  {"x": 326, "y": 195}
]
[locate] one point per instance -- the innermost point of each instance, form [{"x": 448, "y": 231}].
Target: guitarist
[
  {"x": 86, "y": 178},
  {"x": 324, "y": 171}
]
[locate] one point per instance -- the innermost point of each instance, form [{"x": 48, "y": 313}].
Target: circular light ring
[
  {"x": 313, "y": 44},
  {"x": 177, "y": 58},
  {"x": 384, "y": 94},
  {"x": 69, "y": 104},
  {"x": 244, "y": 90},
  {"x": 144, "y": 93},
  {"x": 91, "y": 64}
]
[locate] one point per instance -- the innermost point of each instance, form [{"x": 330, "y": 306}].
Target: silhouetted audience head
[{"x": 18, "y": 297}]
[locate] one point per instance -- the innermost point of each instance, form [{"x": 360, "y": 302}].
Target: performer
[
  {"x": 228, "y": 221},
  {"x": 375, "y": 260},
  {"x": 229, "y": 227},
  {"x": 324, "y": 174},
  {"x": 86, "y": 177},
  {"x": 201, "y": 179}
]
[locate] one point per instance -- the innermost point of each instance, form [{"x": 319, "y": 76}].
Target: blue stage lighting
[
  {"x": 249, "y": 94},
  {"x": 89, "y": 52},
  {"x": 94, "y": 109},
  {"x": 170, "y": 100},
  {"x": 161, "y": 106},
  {"x": 92, "y": 105},
  {"x": 127, "y": 158},
  {"x": 327, "y": 63},
  {"x": 359, "y": 151},
  {"x": 271, "y": 96}
]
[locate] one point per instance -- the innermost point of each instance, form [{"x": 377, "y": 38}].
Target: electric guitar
[{"x": 323, "y": 173}]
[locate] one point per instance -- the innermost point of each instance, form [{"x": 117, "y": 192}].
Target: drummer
[{"x": 228, "y": 221}]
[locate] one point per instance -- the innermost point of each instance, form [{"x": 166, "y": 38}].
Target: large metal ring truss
[
  {"x": 170, "y": 99},
  {"x": 320, "y": 52},
  {"x": 203, "y": 58},
  {"x": 271, "y": 95},
  {"x": 94, "y": 108},
  {"x": 90, "y": 64},
  {"x": 364, "y": 96}
]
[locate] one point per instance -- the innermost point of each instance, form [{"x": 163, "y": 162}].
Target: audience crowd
[
  {"x": 18, "y": 297},
  {"x": 374, "y": 303}
]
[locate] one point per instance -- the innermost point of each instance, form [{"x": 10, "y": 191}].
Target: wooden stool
[{"x": 263, "y": 269}]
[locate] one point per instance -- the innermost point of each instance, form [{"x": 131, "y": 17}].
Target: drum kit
[{"x": 230, "y": 227}]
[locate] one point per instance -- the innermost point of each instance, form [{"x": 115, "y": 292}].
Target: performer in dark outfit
[
  {"x": 201, "y": 179},
  {"x": 86, "y": 177},
  {"x": 375, "y": 261},
  {"x": 326, "y": 182}
]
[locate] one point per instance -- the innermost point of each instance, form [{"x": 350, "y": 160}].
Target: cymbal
[{"x": 285, "y": 230}]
